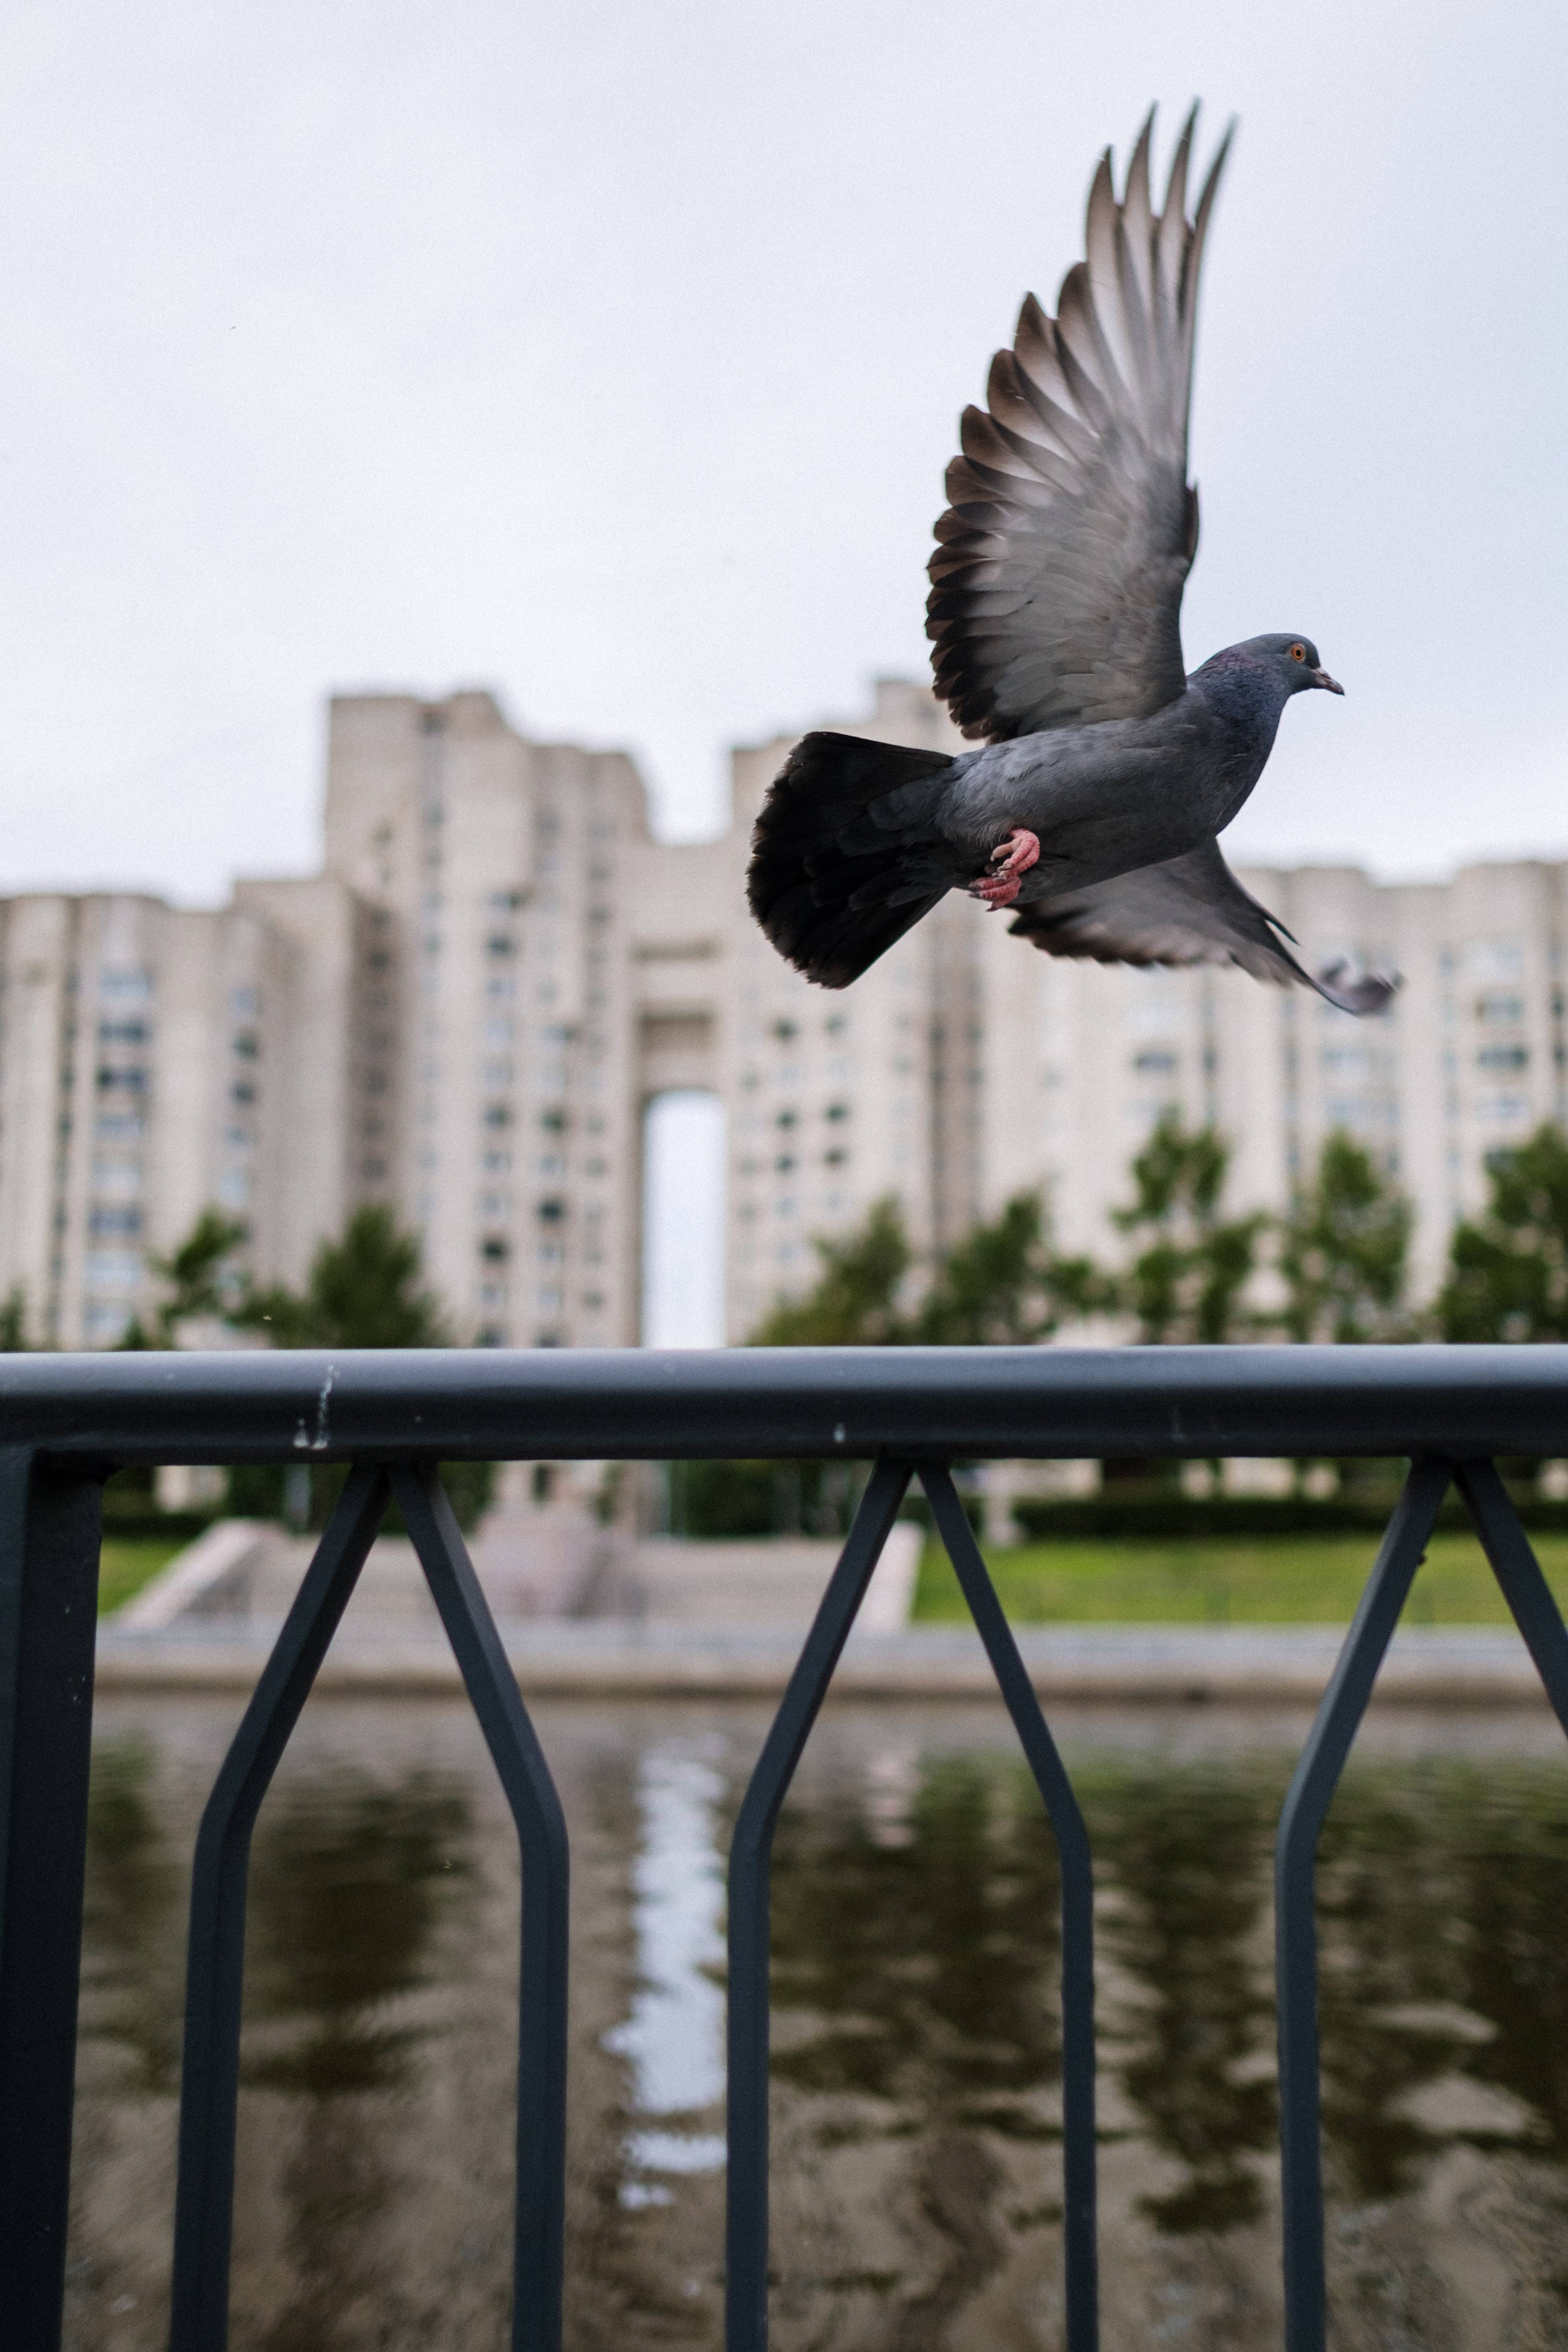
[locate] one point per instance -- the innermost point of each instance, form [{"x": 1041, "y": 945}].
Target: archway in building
[{"x": 683, "y": 1161}]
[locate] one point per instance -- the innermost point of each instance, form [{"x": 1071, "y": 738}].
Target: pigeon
[{"x": 1104, "y": 772}]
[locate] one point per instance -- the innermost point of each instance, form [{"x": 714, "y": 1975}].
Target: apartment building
[{"x": 468, "y": 1012}]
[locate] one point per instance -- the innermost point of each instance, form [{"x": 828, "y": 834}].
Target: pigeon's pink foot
[{"x": 1012, "y": 859}]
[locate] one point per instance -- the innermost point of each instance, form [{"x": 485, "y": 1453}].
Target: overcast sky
[{"x": 610, "y": 355}]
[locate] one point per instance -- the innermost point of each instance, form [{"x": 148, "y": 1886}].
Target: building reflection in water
[
  {"x": 916, "y": 2096},
  {"x": 673, "y": 2041}
]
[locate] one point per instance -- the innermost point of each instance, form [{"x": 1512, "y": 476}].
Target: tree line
[{"x": 1334, "y": 1267}]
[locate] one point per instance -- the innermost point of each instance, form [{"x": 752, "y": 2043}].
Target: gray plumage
[{"x": 1105, "y": 772}]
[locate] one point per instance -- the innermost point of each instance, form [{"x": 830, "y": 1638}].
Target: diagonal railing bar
[
  {"x": 1518, "y": 1572},
  {"x": 750, "y": 1854},
  {"x": 1306, "y": 1806},
  {"x": 215, "y": 1969},
  {"x": 540, "y": 2205},
  {"x": 1080, "y": 2249}
]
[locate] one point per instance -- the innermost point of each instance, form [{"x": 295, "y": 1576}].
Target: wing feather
[
  {"x": 1188, "y": 911},
  {"x": 1069, "y": 516}
]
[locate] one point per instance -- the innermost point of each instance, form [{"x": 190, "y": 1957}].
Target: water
[{"x": 916, "y": 2078}]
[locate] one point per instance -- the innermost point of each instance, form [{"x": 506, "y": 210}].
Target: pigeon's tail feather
[{"x": 832, "y": 886}]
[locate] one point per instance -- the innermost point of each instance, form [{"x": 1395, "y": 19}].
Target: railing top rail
[{"x": 557, "y": 1405}]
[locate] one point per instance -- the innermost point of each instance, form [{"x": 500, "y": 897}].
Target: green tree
[
  {"x": 363, "y": 1290},
  {"x": 1187, "y": 1281},
  {"x": 201, "y": 1276},
  {"x": 13, "y": 1338},
  {"x": 1003, "y": 1285},
  {"x": 1344, "y": 1250},
  {"x": 1508, "y": 1270},
  {"x": 855, "y": 1301}
]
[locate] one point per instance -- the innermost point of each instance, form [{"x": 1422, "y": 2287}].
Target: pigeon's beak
[{"x": 1331, "y": 684}]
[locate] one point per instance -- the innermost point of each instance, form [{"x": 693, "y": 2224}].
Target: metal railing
[{"x": 66, "y": 1421}]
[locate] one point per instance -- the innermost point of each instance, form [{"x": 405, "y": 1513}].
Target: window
[
  {"x": 122, "y": 1032},
  {"x": 1491, "y": 959},
  {"x": 113, "y": 1270},
  {"x": 1502, "y": 1057},
  {"x": 109, "y": 1224},
  {"x": 117, "y": 1180}
]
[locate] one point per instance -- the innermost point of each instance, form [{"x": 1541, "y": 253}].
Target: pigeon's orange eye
[{"x": 1298, "y": 653}]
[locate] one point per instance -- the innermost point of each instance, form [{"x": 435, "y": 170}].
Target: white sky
[{"x": 611, "y": 355}]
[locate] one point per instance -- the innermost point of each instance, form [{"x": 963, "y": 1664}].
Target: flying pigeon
[{"x": 1105, "y": 772}]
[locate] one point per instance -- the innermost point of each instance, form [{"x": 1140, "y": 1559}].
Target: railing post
[
  {"x": 540, "y": 2205},
  {"x": 214, "y": 1963},
  {"x": 751, "y": 1861},
  {"x": 1317, "y": 1776},
  {"x": 1080, "y": 2229},
  {"x": 49, "y": 1533}
]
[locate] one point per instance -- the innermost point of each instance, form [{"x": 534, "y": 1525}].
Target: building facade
[{"x": 467, "y": 1014}]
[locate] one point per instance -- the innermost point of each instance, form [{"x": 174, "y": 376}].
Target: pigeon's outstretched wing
[
  {"x": 1057, "y": 582},
  {"x": 1189, "y": 910}
]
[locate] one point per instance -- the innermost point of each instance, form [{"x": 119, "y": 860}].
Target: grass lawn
[
  {"x": 1265, "y": 1580},
  {"x": 126, "y": 1566}
]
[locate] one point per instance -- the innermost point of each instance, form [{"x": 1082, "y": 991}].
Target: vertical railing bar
[
  {"x": 1518, "y": 1572},
  {"x": 209, "y": 2075},
  {"x": 50, "y": 1518},
  {"x": 539, "y": 2198},
  {"x": 1081, "y": 2248},
  {"x": 750, "y": 1852},
  {"x": 1301, "y": 1820}
]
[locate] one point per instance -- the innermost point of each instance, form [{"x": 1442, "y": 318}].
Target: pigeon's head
[{"x": 1293, "y": 662}]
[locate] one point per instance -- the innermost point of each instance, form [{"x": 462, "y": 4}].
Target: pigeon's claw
[{"x": 1012, "y": 859}]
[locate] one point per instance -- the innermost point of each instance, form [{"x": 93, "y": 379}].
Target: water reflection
[
  {"x": 347, "y": 1879},
  {"x": 673, "y": 2039},
  {"x": 132, "y": 1972},
  {"x": 1185, "y": 1861},
  {"x": 917, "y": 2058}
]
